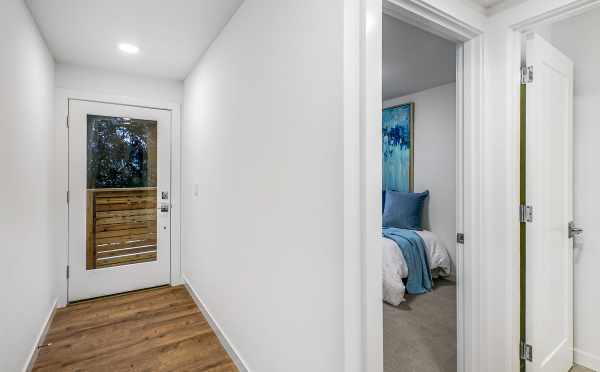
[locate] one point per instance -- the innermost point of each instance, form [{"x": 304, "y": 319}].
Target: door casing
[{"x": 365, "y": 324}]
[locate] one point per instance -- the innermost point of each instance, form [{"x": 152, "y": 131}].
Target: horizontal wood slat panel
[
  {"x": 125, "y": 226},
  {"x": 126, "y": 232},
  {"x": 128, "y": 219},
  {"x": 122, "y": 245},
  {"x": 127, "y": 213},
  {"x": 126, "y": 199},
  {"x": 122, "y": 229},
  {"x": 132, "y": 239},
  {"x": 124, "y": 251},
  {"x": 118, "y": 261},
  {"x": 126, "y": 206}
]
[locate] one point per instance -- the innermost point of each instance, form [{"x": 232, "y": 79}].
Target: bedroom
[{"x": 419, "y": 195}]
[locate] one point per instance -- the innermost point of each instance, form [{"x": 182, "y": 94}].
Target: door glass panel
[{"x": 121, "y": 191}]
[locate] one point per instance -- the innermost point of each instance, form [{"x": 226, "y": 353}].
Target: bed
[{"x": 395, "y": 268}]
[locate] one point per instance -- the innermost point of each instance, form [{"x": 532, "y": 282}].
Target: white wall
[
  {"x": 435, "y": 157},
  {"x": 586, "y": 57},
  {"x": 27, "y": 276},
  {"x": 263, "y": 141},
  {"x": 93, "y": 80}
]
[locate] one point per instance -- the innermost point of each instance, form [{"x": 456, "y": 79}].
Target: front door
[
  {"x": 119, "y": 198},
  {"x": 549, "y": 191}
]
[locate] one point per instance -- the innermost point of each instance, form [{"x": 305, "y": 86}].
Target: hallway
[{"x": 158, "y": 329}]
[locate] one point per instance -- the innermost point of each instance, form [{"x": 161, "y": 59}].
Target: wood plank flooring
[{"x": 153, "y": 330}]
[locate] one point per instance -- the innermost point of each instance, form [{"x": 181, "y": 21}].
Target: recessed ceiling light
[{"x": 129, "y": 48}]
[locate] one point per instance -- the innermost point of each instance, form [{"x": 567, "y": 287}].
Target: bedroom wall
[
  {"x": 262, "y": 232},
  {"x": 586, "y": 57},
  {"x": 27, "y": 275},
  {"x": 435, "y": 157}
]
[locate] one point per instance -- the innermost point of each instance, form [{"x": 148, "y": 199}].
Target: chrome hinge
[
  {"x": 526, "y": 213},
  {"x": 460, "y": 238},
  {"x": 68, "y": 272},
  {"x": 526, "y": 74},
  {"x": 574, "y": 230},
  {"x": 526, "y": 351},
  {"x": 68, "y": 196},
  {"x": 67, "y": 121}
]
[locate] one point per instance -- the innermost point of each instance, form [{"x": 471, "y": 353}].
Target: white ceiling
[
  {"x": 414, "y": 60},
  {"x": 494, "y": 6},
  {"x": 172, "y": 35},
  {"x": 488, "y": 3}
]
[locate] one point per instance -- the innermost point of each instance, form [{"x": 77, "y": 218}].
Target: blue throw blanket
[{"x": 413, "y": 249}]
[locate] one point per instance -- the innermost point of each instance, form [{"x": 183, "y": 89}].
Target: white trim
[
  {"x": 556, "y": 14},
  {"x": 40, "y": 338},
  {"x": 353, "y": 357},
  {"x": 62, "y": 181},
  {"x": 460, "y": 226},
  {"x": 369, "y": 165},
  {"x": 227, "y": 344},
  {"x": 428, "y": 18},
  {"x": 587, "y": 360},
  {"x": 469, "y": 276}
]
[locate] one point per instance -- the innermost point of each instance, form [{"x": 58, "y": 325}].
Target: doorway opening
[{"x": 420, "y": 198}]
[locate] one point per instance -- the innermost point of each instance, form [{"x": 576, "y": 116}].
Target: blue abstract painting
[{"x": 398, "y": 148}]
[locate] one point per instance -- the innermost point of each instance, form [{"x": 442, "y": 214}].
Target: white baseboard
[
  {"x": 227, "y": 345},
  {"x": 587, "y": 360},
  {"x": 40, "y": 338}
]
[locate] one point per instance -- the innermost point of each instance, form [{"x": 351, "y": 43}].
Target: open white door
[{"x": 549, "y": 191}]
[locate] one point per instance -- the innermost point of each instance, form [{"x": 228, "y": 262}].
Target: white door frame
[
  {"x": 362, "y": 182},
  {"x": 61, "y": 181}
]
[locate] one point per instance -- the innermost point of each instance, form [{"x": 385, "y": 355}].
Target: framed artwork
[{"x": 398, "y": 147}]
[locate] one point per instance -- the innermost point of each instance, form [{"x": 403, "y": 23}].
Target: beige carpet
[{"x": 420, "y": 334}]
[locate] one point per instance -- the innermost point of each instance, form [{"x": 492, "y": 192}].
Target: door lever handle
[
  {"x": 574, "y": 230},
  {"x": 164, "y": 207}
]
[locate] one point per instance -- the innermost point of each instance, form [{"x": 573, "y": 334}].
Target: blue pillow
[{"x": 404, "y": 210}]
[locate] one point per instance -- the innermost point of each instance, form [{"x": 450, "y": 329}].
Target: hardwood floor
[{"x": 154, "y": 330}]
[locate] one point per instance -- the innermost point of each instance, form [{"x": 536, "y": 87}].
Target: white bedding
[{"x": 395, "y": 268}]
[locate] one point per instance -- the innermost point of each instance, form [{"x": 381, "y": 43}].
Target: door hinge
[
  {"x": 68, "y": 272},
  {"x": 68, "y": 196},
  {"x": 526, "y": 351},
  {"x": 460, "y": 238},
  {"x": 67, "y": 121},
  {"x": 525, "y": 213},
  {"x": 573, "y": 230},
  {"x": 526, "y": 74}
]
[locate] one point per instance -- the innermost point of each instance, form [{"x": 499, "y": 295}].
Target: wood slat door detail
[{"x": 121, "y": 226}]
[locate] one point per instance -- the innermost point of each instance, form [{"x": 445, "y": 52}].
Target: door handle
[
  {"x": 574, "y": 230},
  {"x": 164, "y": 207}
]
